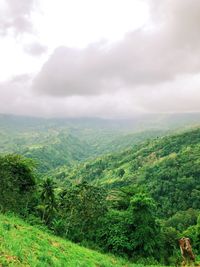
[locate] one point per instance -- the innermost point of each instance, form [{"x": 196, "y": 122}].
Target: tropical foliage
[{"x": 135, "y": 203}]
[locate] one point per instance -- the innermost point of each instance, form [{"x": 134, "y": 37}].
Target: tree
[
  {"x": 170, "y": 246},
  {"x": 134, "y": 231},
  {"x": 48, "y": 200},
  {"x": 17, "y": 186},
  {"x": 82, "y": 207},
  {"x": 198, "y": 233},
  {"x": 181, "y": 220},
  {"x": 143, "y": 227}
]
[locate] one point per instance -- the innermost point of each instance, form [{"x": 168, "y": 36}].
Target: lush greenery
[
  {"x": 56, "y": 142},
  {"x": 135, "y": 203},
  {"x": 17, "y": 184},
  {"x": 25, "y": 245},
  {"x": 126, "y": 223},
  {"x": 166, "y": 167}
]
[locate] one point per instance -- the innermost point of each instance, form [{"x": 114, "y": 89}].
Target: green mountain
[
  {"x": 59, "y": 145},
  {"x": 56, "y": 142},
  {"x": 168, "y": 168}
]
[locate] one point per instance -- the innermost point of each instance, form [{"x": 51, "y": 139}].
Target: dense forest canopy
[{"x": 159, "y": 164}]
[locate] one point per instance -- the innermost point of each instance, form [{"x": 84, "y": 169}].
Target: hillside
[
  {"x": 56, "y": 142},
  {"x": 165, "y": 167},
  {"x": 129, "y": 203},
  {"x": 80, "y": 213},
  {"x": 25, "y": 245}
]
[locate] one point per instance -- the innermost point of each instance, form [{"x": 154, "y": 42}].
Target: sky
[{"x": 99, "y": 58}]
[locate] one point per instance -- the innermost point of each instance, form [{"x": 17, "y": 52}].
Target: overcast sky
[{"x": 104, "y": 58}]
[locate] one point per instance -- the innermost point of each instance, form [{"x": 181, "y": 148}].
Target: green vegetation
[
  {"x": 126, "y": 224},
  {"x": 25, "y": 245},
  {"x": 17, "y": 185},
  {"x": 135, "y": 203},
  {"x": 54, "y": 143},
  {"x": 166, "y": 168}
]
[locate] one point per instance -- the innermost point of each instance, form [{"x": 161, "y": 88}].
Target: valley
[{"x": 122, "y": 187}]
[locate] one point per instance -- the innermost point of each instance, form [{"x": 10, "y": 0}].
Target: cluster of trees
[
  {"x": 125, "y": 222},
  {"x": 83, "y": 213},
  {"x": 168, "y": 167},
  {"x": 17, "y": 184}
]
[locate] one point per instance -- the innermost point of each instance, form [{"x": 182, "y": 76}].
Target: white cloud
[
  {"x": 152, "y": 69},
  {"x": 35, "y": 49},
  {"x": 143, "y": 57},
  {"x": 15, "y": 16}
]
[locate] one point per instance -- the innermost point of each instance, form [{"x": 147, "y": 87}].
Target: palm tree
[{"x": 48, "y": 199}]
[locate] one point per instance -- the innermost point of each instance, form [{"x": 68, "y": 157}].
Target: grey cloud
[
  {"x": 15, "y": 16},
  {"x": 23, "y": 78},
  {"x": 143, "y": 57},
  {"x": 16, "y": 98},
  {"x": 180, "y": 95},
  {"x": 73, "y": 72},
  {"x": 35, "y": 49},
  {"x": 179, "y": 19}
]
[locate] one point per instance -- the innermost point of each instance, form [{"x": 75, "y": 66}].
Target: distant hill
[
  {"x": 167, "y": 167},
  {"x": 55, "y": 142}
]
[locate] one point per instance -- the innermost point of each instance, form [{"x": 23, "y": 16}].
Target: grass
[{"x": 25, "y": 245}]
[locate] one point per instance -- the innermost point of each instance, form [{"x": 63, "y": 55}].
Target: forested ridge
[
  {"x": 56, "y": 142},
  {"x": 133, "y": 202},
  {"x": 165, "y": 166}
]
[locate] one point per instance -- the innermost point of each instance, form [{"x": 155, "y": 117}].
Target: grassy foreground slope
[{"x": 25, "y": 245}]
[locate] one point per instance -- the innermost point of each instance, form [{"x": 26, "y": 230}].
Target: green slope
[
  {"x": 167, "y": 167},
  {"x": 25, "y": 245},
  {"x": 56, "y": 142},
  {"x": 62, "y": 148}
]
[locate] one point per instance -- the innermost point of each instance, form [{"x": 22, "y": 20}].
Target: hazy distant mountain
[{"x": 57, "y": 141}]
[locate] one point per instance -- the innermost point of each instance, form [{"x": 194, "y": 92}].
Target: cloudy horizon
[{"x": 110, "y": 59}]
